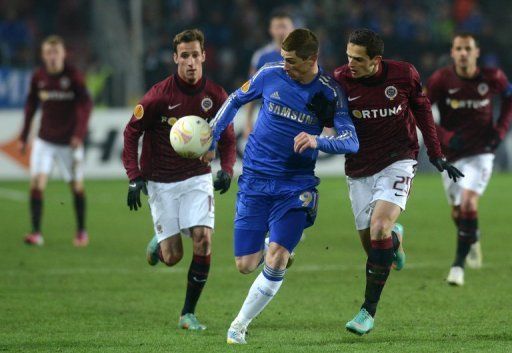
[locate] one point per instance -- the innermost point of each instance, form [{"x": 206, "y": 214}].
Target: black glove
[
  {"x": 441, "y": 164},
  {"x": 493, "y": 142},
  {"x": 222, "y": 182},
  {"x": 134, "y": 188},
  {"x": 456, "y": 143},
  {"x": 323, "y": 108}
]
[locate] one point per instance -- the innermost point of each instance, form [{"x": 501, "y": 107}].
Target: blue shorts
[{"x": 269, "y": 206}]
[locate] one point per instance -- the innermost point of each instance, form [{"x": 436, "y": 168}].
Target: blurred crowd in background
[{"x": 416, "y": 31}]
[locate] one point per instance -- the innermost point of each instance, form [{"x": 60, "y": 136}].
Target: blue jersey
[
  {"x": 269, "y": 151},
  {"x": 268, "y": 53}
]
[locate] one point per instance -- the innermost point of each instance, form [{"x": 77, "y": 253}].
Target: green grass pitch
[{"x": 105, "y": 298}]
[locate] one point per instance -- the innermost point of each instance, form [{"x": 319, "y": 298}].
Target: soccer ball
[{"x": 191, "y": 136}]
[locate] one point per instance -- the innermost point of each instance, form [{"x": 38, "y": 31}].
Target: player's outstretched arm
[{"x": 249, "y": 91}]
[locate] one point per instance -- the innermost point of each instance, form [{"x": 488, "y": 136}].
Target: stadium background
[
  {"x": 124, "y": 47},
  {"x": 105, "y": 299}
]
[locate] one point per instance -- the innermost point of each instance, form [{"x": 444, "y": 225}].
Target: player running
[
  {"x": 386, "y": 102},
  {"x": 277, "y": 189},
  {"x": 66, "y": 106},
  {"x": 464, "y": 93},
  {"x": 180, "y": 190}
]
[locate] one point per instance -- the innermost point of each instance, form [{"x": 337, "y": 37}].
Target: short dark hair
[
  {"x": 278, "y": 13},
  {"x": 53, "y": 40},
  {"x": 303, "y": 41},
  {"x": 187, "y": 36},
  {"x": 466, "y": 35},
  {"x": 369, "y": 39}
]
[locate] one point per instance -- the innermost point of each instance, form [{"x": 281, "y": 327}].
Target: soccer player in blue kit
[{"x": 277, "y": 188}]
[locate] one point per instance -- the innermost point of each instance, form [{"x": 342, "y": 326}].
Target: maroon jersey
[
  {"x": 159, "y": 109},
  {"x": 385, "y": 109},
  {"x": 465, "y": 106},
  {"x": 65, "y": 103}
]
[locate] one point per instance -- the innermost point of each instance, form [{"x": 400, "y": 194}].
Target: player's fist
[
  {"x": 441, "y": 164},
  {"x": 303, "y": 141},
  {"x": 323, "y": 108},
  {"x": 134, "y": 188},
  {"x": 222, "y": 181}
]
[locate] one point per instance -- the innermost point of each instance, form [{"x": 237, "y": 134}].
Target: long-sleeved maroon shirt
[
  {"x": 385, "y": 109},
  {"x": 465, "y": 106},
  {"x": 157, "y": 111},
  {"x": 66, "y": 105}
]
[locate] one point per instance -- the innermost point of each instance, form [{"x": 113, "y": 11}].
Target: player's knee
[
  {"x": 245, "y": 266},
  {"x": 201, "y": 237},
  {"x": 277, "y": 256},
  {"x": 245, "y": 270},
  {"x": 380, "y": 228},
  {"x": 469, "y": 201},
  {"x": 77, "y": 187},
  {"x": 455, "y": 213},
  {"x": 172, "y": 258},
  {"x": 202, "y": 246},
  {"x": 469, "y": 205},
  {"x": 38, "y": 183}
]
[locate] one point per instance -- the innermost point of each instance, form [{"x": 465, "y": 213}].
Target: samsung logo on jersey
[
  {"x": 56, "y": 95},
  {"x": 467, "y": 103},
  {"x": 376, "y": 113},
  {"x": 288, "y": 113}
]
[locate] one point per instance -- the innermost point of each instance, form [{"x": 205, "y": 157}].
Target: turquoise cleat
[
  {"x": 190, "y": 322},
  {"x": 399, "y": 254},
  {"x": 152, "y": 251},
  {"x": 361, "y": 324}
]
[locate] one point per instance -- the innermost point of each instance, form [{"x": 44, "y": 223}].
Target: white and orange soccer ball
[{"x": 191, "y": 136}]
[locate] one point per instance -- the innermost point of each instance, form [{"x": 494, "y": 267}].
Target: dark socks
[
  {"x": 36, "y": 209},
  {"x": 197, "y": 276},
  {"x": 467, "y": 234},
  {"x": 79, "y": 200},
  {"x": 377, "y": 271}
]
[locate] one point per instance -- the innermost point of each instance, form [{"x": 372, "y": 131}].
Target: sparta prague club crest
[
  {"x": 391, "y": 92},
  {"x": 206, "y": 104}
]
